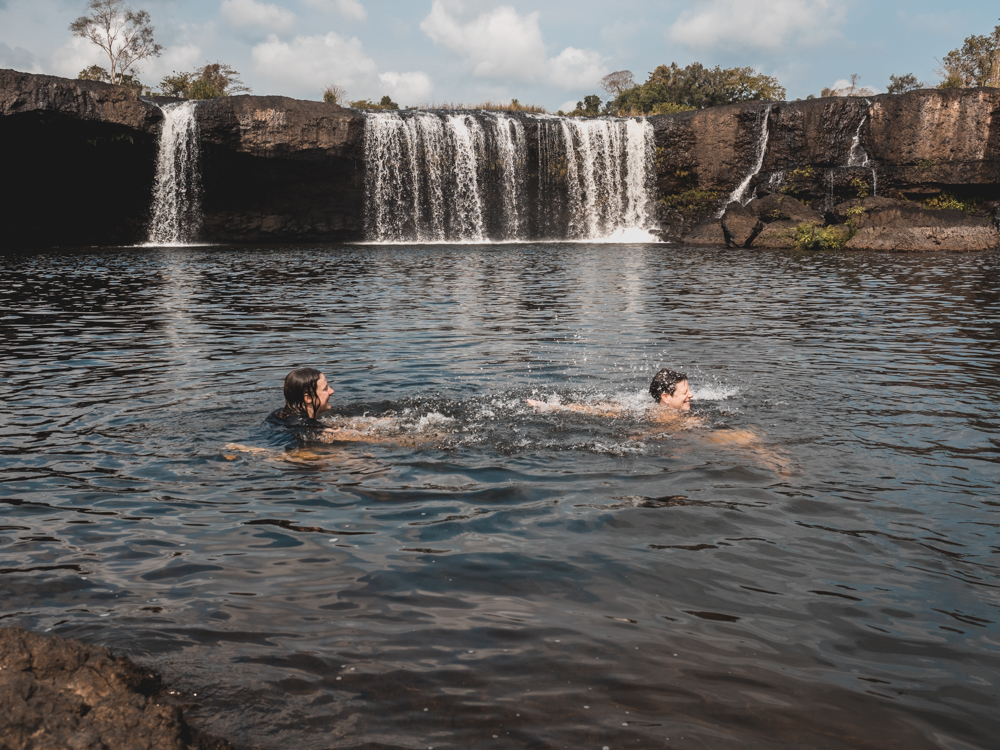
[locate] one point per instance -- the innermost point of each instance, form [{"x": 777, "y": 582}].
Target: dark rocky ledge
[
  {"x": 80, "y": 159},
  {"x": 58, "y": 694}
]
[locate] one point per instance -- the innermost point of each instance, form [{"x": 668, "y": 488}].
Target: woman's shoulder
[{"x": 285, "y": 417}]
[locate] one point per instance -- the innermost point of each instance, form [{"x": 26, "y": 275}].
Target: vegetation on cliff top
[
  {"x": 125, "y": 36},
  {"x": 210, "y": 82}
]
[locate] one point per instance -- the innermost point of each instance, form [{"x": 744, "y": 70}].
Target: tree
[
  {"x": 334, "y": 94},
  {"x": 94, "y": 73},
  {"x": 615, "y": 83},
  {"x": 975, "y": 63},
  {"x": 851, "y": 90},
  {"x": 97, "y": 73},
  {"x": 125, "y": 35},
  {"x": 902, "y": 84},
  {"x": 385, "y": 103},
  {"x": 210, "y": 82},
  {"x": 697, "y": 87}
]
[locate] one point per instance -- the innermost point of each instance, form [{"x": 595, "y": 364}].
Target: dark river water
[{"x": 489, "y": 576}]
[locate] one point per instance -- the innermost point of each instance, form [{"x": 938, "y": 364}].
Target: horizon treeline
[{"x": 668, "y": 89}]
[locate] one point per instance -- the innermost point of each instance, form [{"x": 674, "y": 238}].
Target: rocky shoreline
[
  {"x": 59, "y": 693},
  {"x": 282, "y": 170}
]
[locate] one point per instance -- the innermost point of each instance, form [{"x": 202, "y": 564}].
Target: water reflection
[{"x": 548, "y": 579}]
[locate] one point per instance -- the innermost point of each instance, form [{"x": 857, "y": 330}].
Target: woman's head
[
  {"x": 670, "y": 388},
  {"x": 307, "y": 392}
]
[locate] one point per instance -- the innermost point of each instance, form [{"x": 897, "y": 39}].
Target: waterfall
[
  {"x": 858, "y": 157},
  {"x": 176, "y": 208},
  {"x": 739, "y": 194},
  {"x": 477, "y": 176}
]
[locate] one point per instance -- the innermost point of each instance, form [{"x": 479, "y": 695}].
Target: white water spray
[
  {"x": 176, "y": 209},
  {"x": 464, "y": 177}
]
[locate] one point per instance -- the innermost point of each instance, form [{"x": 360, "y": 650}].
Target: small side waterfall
[
  {"x": 858, "y": 157},
  {"x": 176, "y": 208},
  {"x": 480, "y": 176},
  {"x": 739, "y": 194}
]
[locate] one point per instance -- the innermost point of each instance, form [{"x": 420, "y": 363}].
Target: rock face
[
  {"x": 81, "y": 157},
  {"x": 278, "y": 169},
  {"x": 273, "y": 169},
  {"x": 59, "y": 694},
  {"x": 912, "y": 146}
]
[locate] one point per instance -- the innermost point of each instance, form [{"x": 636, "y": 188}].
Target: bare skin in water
[{"x": 672, "y": 393}]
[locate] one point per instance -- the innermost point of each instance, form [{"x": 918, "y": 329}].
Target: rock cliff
[
  {"x": 81, "y": 159},
  {"x": 910, "y": 148}
]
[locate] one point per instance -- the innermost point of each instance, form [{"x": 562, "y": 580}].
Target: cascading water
[
  {"x": 176, "y": 209},
  {"x": 475, "y": 177},
  {"x": 739, "y": 194},
  {"x": 858, "y": 157}
]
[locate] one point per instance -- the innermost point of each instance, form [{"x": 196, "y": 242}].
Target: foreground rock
[{"x": 59, "y": 694}]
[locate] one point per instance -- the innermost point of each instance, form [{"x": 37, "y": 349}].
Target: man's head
[
  {"x": 307, "y": 392},
  {"x": 671, "y": 389}
]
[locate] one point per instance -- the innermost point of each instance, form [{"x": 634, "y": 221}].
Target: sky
[{"x": 551, "y": 52}]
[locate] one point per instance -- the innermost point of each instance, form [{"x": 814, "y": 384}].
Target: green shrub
[
  {"x": 860, "y": 187},
  {"x": 948, "y": 201},
  {"x": 816, "y": 237},
  {"x": 691, "y": 201}
]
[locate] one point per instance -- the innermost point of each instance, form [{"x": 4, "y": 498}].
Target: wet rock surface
[{"x": 59, "y": 694}]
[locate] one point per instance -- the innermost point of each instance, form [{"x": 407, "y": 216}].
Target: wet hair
[
  {"x": 665, "y": 381},
  {"x": 298, "y": 384}
]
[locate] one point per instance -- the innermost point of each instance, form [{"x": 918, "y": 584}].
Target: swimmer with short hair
[
  {"x": 672, "y": 393},
  {"x": 670, "y": 389}
]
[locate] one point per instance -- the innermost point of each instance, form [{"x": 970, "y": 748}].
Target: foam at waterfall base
[{"x": 628, "y": 236}]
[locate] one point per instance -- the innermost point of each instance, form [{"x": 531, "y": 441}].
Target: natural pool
[{"x": 518, "y": 579}]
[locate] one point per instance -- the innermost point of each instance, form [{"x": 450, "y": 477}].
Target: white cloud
[
  {"x": 18, "y": 58},
  {"x": 504, "y": 45},
  {"x": 577, "y": 68},
  {"x": 180, "y": 57},
  {"x": 763, "y": 24},
  {"x": 568, "y": 106},
  {"x": 350, "y": 9},
  {"x": 74, "y": 56},
  {"x": 498, "y": 44},
  {"x": 308, "y": 63},
  {"x": 252, "y": 13},
  {"x": 414, "y": 88}
]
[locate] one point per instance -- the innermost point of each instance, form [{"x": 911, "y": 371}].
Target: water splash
[
  {"x": 176, "y": 208},
  {"x": 739, "y": 194}
]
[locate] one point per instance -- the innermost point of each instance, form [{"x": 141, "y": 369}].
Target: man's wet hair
[
  {"x": 665, "y": 381},
  {"x": 299, "y": 383}
]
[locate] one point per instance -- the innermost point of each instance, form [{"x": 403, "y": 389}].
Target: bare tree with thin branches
[
  {"x": 125, "y": 35},
  {"x": 617, "y": 82}
]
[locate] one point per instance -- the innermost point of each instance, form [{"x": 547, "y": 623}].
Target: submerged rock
[{"x": 59, "y": 693}]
